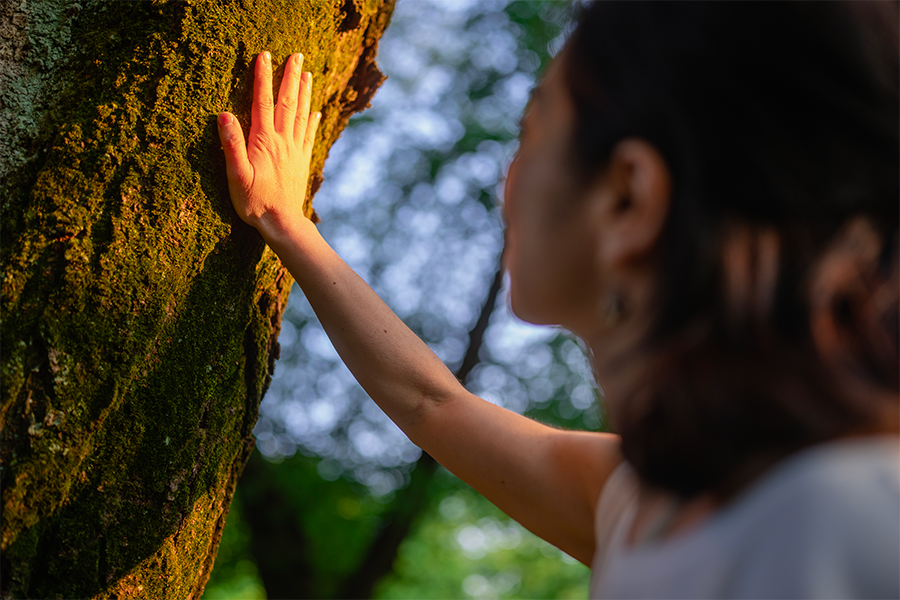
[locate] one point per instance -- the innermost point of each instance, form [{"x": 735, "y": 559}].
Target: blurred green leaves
[
  {"x": 462, "y": 546},
  {"x": 465, "y": 547}
]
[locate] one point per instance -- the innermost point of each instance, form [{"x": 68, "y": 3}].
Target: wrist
[{"x": 281, "y": 230}]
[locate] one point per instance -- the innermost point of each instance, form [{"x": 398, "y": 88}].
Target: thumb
[{"x": 232, "y": 138}]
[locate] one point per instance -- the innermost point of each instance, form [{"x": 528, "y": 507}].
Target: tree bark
[{"x": 139, "y": 315}]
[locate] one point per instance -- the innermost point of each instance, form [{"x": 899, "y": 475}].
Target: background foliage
[{"x": 411, "y": 201}]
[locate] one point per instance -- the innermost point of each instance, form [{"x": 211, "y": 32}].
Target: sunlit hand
[{"x": 267, "y": 177}]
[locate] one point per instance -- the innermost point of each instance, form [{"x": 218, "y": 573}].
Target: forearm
[{"x": 392, "y": 364}]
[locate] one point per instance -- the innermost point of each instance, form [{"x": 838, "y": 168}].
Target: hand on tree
[{"x": 267, "y": 177}]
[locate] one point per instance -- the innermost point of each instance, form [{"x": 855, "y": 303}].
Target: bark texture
[{"x": 139, "y": 315}]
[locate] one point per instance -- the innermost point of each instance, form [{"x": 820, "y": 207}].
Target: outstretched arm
[{"x": 547, "y": 479}]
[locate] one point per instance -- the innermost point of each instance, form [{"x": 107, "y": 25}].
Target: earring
[{"x": 613, "y": 306}]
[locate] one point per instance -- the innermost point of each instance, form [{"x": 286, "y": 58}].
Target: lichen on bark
[{"x": 139, "y": 316}]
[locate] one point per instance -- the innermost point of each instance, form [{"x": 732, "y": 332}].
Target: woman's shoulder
[
  {"x": 836, "y": 490},
  {"x": 823, "y": 523},
  {"x": 838, "y": 475}
]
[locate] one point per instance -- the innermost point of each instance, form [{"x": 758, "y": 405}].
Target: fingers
[
  {"x": 232, "y": 138},
  {"x": 291, "y": 116},
  {"x": 303, "y": 109},
  {"x": 310, "y": 136},
  {"x": 262, "y": 113},
  {"x": 286, "y": 109}
]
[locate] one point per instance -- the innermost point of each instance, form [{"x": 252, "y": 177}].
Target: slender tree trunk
[
  {"x": 139, "y": 316},
  {"x": 413, "y": 500},
  {"x": 285, "y": 566}
]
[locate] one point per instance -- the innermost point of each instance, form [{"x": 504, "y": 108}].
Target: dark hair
[{"x": 776, "y": 323}]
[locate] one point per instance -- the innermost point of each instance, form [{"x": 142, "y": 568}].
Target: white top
[{"x": 824, "y": 523}]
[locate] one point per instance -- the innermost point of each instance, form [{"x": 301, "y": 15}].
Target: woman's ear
[{"x": 633, "y": 202}]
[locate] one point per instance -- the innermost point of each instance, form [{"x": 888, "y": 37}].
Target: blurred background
[{"x": 336, "y": 502}]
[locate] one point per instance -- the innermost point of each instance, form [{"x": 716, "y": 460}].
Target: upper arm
[{"x": 547, "y": 479}]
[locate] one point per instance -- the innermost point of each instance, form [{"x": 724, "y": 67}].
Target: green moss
[{"x": 139, "y": 317}]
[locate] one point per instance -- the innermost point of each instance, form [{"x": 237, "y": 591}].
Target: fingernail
[
  {"x": 224, "y": 119},
  {"x": 267, "y": 57},
  {"x": 298, "y": 62}
]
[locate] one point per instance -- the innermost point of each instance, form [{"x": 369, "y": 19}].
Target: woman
[{"x": 707, "y": 194}]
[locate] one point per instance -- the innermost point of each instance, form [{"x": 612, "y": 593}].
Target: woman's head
[
  {"x": 772, "y": 321},
  {"x": 565, "y": 233}
]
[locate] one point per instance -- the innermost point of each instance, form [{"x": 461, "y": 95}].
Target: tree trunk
[
  {"x": 283, "y": 563},
  {"x": 139, "y": 315}
]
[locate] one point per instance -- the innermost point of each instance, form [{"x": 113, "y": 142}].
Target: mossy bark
[{"x": 139, "y": 315}]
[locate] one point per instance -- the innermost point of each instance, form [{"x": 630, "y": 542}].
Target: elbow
[{"x": 426, "y": 413}]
